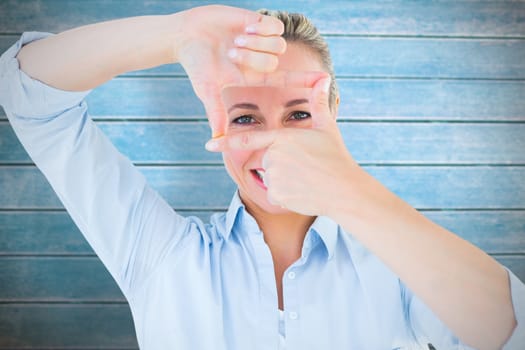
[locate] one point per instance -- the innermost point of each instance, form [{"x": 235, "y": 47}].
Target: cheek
[{"x": 234, "y": 162}]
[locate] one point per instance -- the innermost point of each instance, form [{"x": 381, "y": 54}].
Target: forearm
[
  {"x": 85, "y": 57},
  {"x": 467, "y": 289}
]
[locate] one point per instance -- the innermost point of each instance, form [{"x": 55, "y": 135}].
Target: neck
[{"x": 283, "y": 232}]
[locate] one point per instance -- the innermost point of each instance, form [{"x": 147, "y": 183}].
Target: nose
[{"x": 274, "y": 124}]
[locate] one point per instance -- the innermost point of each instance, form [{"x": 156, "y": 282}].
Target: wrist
[
  {"x": 175, "y": 35},
  {"x": 357, "y": 197}
]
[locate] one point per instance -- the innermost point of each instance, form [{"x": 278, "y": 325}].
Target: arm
[
  {"x": 467, "y": 289},
  {"x": 128, "y": 225},
  {"x": 86, "y": 57},
  {"x": 201, "y": 39}
]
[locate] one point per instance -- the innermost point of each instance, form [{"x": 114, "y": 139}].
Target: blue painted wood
[
  {"x": 50, "y": 233},
  {"x": 84, "y": 280},
  {"x": 458, "y": 61},
  {"x": 384, "y": 99},
  {"x": 496, "y": 232},
  {"x": 43, "y": 326},
  {"x": 368, "y": 99},
  {"x": 515, "y": 263},
  {"x": 404, "y": 57},
  {"x": 438, "y": 58},
  {"x": 30, "y": 233},
  {"x": 95, "y": 326},
  {"x": 54, "y": 233},
  {"x": 52, "y": 279},
  {"x": 209, "y": 187},
  {"x": 379, "y": 143},
  {"x": 443, "y": 18}
]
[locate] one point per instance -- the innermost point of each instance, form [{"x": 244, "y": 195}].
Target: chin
[
  {"x": 261, "y": 204},
  {"x": 275, "y": 209}
]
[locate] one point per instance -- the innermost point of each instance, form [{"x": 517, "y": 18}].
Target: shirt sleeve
[
  {"x": 517, "y": 288},
  {"x": 427, "y": 327},
  {"x": 125, "y": 221}
]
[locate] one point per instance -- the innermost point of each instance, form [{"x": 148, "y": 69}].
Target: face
[{"x": 265, "y": 108}]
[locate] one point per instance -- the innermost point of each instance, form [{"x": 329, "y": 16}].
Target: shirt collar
[
  {"x": 325, "y": 228},
  {"x": 231, "y": 215}
]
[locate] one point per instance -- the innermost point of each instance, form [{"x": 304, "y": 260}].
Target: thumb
[
  {"x": 243, "y": 141},
  {"x": 320, "y": 103},
  {"x": 215, "y": 111}
]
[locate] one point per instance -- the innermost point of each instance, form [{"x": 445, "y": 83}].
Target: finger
[
  {"x": 257, "y": 23},
  {"x": 258, "y": 61},
  {"x": 280, "y": 79},
  {"x": 215, "y": 111},
  {"x": 292, "y": 79},
  {"x": 270, "y": 44},
  {"x": 319, "y": 103},
  {"x": 267, "y": 171},
  {"x": 250, "y": 140}
]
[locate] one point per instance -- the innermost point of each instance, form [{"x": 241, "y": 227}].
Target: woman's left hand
[{"x": 304, "y": 168}]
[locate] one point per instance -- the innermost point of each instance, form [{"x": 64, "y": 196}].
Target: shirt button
[
  {"x": 293, "y": 315},
  {"x": 291, "y": 275}
]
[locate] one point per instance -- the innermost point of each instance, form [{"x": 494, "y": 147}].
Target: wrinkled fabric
[{"x": 196, "y": 285}]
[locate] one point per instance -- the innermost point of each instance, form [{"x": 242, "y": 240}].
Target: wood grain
[
  {"x": 362, "y": 99},
  {"x": 209, "y": 187},
  {"x": 372, "y": 57},
  {"x": 442, "y": 18},
  {"x": 168, "y": 142},
  {"x": 432, "y": 103},
  {"x": 66, "y": 326}
]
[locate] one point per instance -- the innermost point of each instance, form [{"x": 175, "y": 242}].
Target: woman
[{"x": 313, "y": 252}]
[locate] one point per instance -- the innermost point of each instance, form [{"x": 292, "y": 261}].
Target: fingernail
[
  {"x": 251, "y": 29},
  {"x": 232, "y": 53},
  {"x": 212, "y": 145},
  {"x": 240, "y": 41}
]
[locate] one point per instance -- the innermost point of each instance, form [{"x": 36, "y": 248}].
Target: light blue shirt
[{"x": 192, "y": 285}]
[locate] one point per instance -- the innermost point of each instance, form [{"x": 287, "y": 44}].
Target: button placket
[{"x": 267, "y": 290}]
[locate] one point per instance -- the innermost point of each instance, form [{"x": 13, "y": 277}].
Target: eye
[
  {"x": 244, "y": 119},
  {"x": 299, "y": 115}
]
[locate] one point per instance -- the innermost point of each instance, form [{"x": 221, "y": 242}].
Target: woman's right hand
[
  {"x": 200, "y": 39},
  {"x": 223, "y": 46}
]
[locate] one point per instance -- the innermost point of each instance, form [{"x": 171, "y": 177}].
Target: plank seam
[
  {"x": 386, "y": 36},
  {"x": 424, "y": 36},
  {"x": 367, "y": 164},
  {"x": 204, "y": 209},
  {"x": 212, "y": 210},
  {"x": 20, "y": 302},
  {"x": 177, "y": 76},
  {"x": 340, "y": 119},
  {"x": 152, "y": 166}
]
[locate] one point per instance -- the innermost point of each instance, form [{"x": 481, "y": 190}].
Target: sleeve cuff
[
  {"x": 24, "y": 96},
  {"x": 517, "y": 340}
]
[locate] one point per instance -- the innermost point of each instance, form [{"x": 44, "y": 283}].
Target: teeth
[{"x": 260, "y": 173}]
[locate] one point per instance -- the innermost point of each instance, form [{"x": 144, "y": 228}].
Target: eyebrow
[
  {"x": 254, "y": 107},
  {"x": 244, "y": 106},
  {"x": 296, "y": 102}
]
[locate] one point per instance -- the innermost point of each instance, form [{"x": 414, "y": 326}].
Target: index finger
[
  {"x": 280, "y": 78},
  {"x": 320, "y": 103},
  {"x": 244, "y": 141}
]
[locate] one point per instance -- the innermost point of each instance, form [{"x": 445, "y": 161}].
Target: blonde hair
[{"x": 299, "y": 29}]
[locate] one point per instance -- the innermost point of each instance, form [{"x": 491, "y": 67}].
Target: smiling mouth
[{"x": 258, "y": 174}]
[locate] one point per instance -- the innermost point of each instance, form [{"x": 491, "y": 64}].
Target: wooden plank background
[{"x": 433, "y": 105}]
